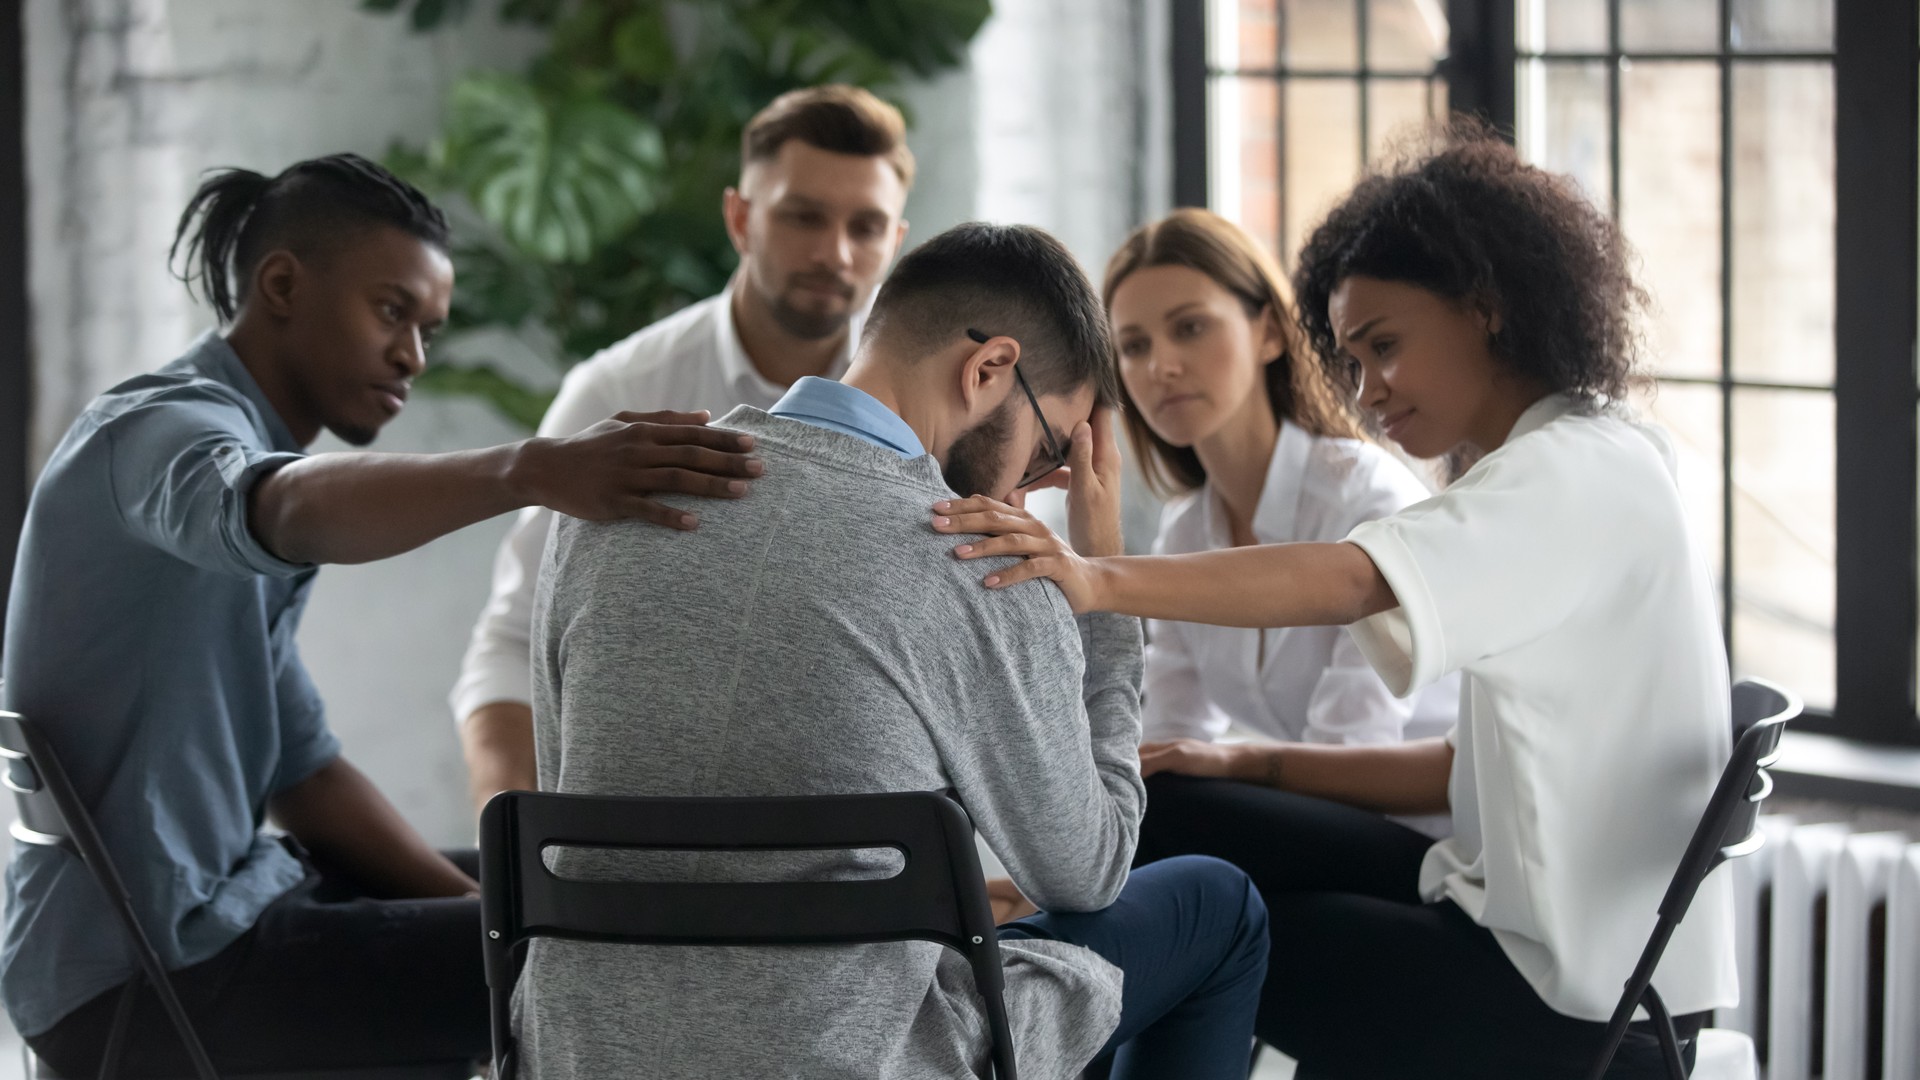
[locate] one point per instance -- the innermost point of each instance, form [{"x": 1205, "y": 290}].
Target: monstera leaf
[
  {"x": 927, "y": 36},
  {"x": 572, "y": 228},
  {"x": 557, "y": 174}
]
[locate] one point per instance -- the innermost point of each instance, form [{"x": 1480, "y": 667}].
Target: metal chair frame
[
  {"x": 51, "y": 814},
  {"x": 1728, "y": 829}
]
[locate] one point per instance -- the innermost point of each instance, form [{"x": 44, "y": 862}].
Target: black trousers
[
  {"x": 327, "y": 978},
  {"x": 1364, "y": 980}
]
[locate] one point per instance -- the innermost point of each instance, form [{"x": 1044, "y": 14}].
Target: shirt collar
[
  {"x": 839, "y": 407},
  {"x": 1279, "y": 508},
  {"x": 214, "y": 358},
  {"x": 738, "y": 366},
  {"x": 1543, "y": 412}
]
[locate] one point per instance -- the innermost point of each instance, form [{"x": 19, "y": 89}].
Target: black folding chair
[
  {"x": 1728, "y": 830},
  {"x": 938, "y": 896},
  {"x": 52, "y": 815}
]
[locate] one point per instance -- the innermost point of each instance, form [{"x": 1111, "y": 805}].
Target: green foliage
[{"x": 585, "y": 191}]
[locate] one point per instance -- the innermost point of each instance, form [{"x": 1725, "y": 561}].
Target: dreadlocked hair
[{"x": 237, "y": 216}]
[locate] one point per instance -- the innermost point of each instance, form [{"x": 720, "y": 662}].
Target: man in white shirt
[{"x": 817, "y": 220}]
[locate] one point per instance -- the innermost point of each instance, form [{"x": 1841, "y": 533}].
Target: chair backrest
[
  {"x": 939, "y": 894},
  {"x": 41, "y": 790},
  {"x": 1730, "y": 826},
  {"x": 53, "y": 815}
]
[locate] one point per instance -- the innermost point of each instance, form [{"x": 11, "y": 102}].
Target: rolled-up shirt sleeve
[
  {"x": 181, "y": 475},
  {"x": 306, "y": 743},
  {"x": 1497, "y": 559}
]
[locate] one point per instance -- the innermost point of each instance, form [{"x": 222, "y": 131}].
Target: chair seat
[
  {"x": 452, "y": 1070},
  {"x": 1725, "y": 1054}
]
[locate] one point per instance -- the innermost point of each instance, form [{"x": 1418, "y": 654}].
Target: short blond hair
[{"x": 836, "y": 118}]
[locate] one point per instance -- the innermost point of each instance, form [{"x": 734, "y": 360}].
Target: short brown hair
[
  {"x": 1298, "y": 390},
  {"x": 1014, "y": 280},
  {"x": 837, "y": 118}
]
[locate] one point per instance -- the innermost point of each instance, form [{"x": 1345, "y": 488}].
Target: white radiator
[{"x": 1828, "y": 946}]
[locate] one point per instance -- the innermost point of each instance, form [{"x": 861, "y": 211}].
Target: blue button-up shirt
[
  {"x": 152, "y": 637},
  {"x": 850, "y": 411}
]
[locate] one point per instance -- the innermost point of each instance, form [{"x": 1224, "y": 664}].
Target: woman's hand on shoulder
[
  {"x": 1013, "y": 530},
  {"x": 1092, "y": 480}
]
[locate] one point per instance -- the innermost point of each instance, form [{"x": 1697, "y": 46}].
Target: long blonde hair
[{"x": 1298, "y": 392}]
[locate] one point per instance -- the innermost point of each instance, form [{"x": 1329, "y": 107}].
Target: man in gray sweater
[{"x": 817, "y": 637}]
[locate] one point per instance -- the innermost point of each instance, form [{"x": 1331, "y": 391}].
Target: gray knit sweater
[{"x": 818, "y": 637}]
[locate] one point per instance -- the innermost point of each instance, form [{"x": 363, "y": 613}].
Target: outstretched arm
[
  {"x": 1268, "y": 585},
  {"x": 360, "y": 507}
]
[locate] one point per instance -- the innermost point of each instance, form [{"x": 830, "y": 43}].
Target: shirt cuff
[
  {"x": 1405, "y": 644},
  {"x": 240, "y": 477},
  {"x": 478, "y": 688},
  {"x": 300, "y": 762}
]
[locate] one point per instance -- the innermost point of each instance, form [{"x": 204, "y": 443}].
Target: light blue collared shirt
[
  {"x": 151, "y": 637},
  {"x": 850, "y": 411}
]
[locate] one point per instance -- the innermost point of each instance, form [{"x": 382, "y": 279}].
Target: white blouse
[
  {"x": 1295, "y": 684},
  {"x": 1559, "y": 577}
]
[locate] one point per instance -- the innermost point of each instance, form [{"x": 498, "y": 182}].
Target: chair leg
[
  {"x": 1669, "y": 1040},
  {"x": 122, "y": 1022}
]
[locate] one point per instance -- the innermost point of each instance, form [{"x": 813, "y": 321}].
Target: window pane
[
  {"x": 1398, "y": 109},
  {"x": 1323, "y": 154},
  {"x": 1670, "y": 206},
  {"x": 1691, "y": 415},
  {"x": 1782, "y": 24},
  {"x": 1319, "y": 34},
  {"x": 1783, "y": 221},
  {"x": 1669, "y": 25},
  {"x": 1245, "y": 34},
  {"x": 1405, "y": 35},
  {"x": 1563, "y": 122},
  {"x": 1783, "y": 526},
  {"x": 1561, "y": 25},
  {"x": 1243, "y": 166}
]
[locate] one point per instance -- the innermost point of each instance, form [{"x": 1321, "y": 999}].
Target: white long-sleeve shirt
[
  {"x": 690, "y": 360},
  {"x": 1294, "y": 684}
]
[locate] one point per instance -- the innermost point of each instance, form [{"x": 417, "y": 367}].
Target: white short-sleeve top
[
  {"x": 1301, "y": 683},
  {"x": 1559, "y": 578}
]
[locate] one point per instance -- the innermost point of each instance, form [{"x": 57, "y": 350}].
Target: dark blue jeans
[{"x": 1191, "y": 935}]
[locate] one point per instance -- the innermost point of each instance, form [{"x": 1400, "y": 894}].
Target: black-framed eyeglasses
[{"x": 1056, "y": 453}]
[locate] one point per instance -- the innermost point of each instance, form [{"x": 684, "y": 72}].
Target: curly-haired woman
[{"x": 1474, "y": 299}]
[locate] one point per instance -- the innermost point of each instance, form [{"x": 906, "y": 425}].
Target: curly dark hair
[{"x": 1470, "y": 221}]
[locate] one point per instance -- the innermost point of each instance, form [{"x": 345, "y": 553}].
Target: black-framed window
[{"x": 1760, "y": 155}]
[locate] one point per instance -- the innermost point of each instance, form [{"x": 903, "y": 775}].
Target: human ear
[
  {"x": 986, "y": 374},
  {"x": 1489, "y": 314},
  {"x": 1272, "y": 344},
  {"x": 275, "y": 281},
  {"x": 734, "y": 208}
]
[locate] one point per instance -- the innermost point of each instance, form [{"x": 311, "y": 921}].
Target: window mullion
[{"x": 1876, "y": 110}]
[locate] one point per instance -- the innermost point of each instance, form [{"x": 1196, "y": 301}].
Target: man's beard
[
  {"x": 978, "y": 457},
  {"x": 810, "y": 325}
]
